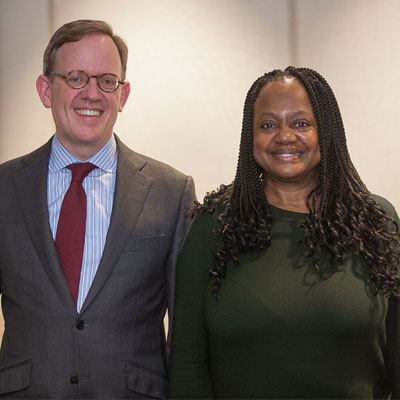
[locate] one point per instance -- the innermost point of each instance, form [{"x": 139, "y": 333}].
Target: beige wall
[
  {"x": 355, "y": 45},
  {"x": 192, "y": 62},
  {"x": 23, "y": 31}
]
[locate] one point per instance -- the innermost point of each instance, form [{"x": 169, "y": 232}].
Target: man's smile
[{"x": 88, "y": 112}]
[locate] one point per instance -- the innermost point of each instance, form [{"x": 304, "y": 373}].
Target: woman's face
[{"x": 285, "y": 134}]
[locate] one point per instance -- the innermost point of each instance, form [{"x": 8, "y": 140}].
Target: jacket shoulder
[
  {"x": 161, "y": 168},
  {"x": 12, "y": 166},
  {"x": 154, "y": 169}
]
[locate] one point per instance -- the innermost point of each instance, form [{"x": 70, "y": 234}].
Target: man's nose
[{"x": 91, "y": 91}]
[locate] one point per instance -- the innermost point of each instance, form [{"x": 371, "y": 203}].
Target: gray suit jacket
[{"x": 115, "y": 347}]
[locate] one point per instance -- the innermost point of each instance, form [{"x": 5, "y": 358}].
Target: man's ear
[
  {"x": 43, "y": 89},
  {"x": 126, "y": 89}
]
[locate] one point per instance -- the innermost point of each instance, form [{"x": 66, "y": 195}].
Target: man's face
[{"x": 84, "y": 117}]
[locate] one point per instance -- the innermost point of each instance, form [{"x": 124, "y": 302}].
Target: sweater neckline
[{"x": 282, "y": 214}]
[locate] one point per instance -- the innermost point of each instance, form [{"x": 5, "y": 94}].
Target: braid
[{"x": 346, "y": 214}]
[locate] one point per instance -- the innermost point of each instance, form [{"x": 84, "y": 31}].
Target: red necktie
[{"x": 70, "y": 237}]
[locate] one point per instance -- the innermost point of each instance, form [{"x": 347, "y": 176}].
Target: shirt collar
[{"x": 105, "y": 159}]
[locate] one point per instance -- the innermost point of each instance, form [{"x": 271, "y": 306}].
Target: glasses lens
[
  {"x": 77, "y": 79},
  {"x": 108, "y": 82}
]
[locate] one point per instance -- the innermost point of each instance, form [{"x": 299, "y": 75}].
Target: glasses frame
[{"x": 97, "y": 77}]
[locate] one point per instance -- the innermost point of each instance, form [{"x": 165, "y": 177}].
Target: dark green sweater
[{"x": 277, "y": 331}]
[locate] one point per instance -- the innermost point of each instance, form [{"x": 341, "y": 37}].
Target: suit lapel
[
  {"x": 31, "y": 186},
  {"x": 131, "y": 190}
]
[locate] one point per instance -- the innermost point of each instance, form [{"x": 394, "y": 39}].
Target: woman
[{"x": 288, "y": 280}]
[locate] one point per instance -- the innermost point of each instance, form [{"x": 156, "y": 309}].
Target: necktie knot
[{"x": 80, "y": 171}]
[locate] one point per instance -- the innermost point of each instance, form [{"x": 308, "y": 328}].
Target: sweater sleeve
[
  {"x": 393, "y": 322},
  {"x": 393, "y": 346},
  {"x": 189, "y": 361}
]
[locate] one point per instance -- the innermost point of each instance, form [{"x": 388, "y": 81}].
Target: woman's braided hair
[{"x": 346, "y": 214}]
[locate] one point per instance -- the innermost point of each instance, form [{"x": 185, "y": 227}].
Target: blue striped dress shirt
[{"x": 99, "y": 186}]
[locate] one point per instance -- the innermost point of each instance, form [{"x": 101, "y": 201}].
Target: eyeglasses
[{"x": 79, "y": 79}]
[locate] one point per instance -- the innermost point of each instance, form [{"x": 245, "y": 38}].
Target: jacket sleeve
[
  {"x": 181, "y": 227},
  {"x": 189, "y": 361}
]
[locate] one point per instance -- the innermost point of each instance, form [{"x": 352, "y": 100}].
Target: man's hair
[
  {"x": 342, "y": 212},
  {"x": 75, "y": 31}
]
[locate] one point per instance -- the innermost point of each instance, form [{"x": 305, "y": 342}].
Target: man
[{"x": 87, "y": 267}]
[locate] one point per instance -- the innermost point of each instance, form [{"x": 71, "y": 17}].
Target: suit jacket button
[
  {"x": 80, "y": 324},
  {"x": 74, "y": 379}
]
